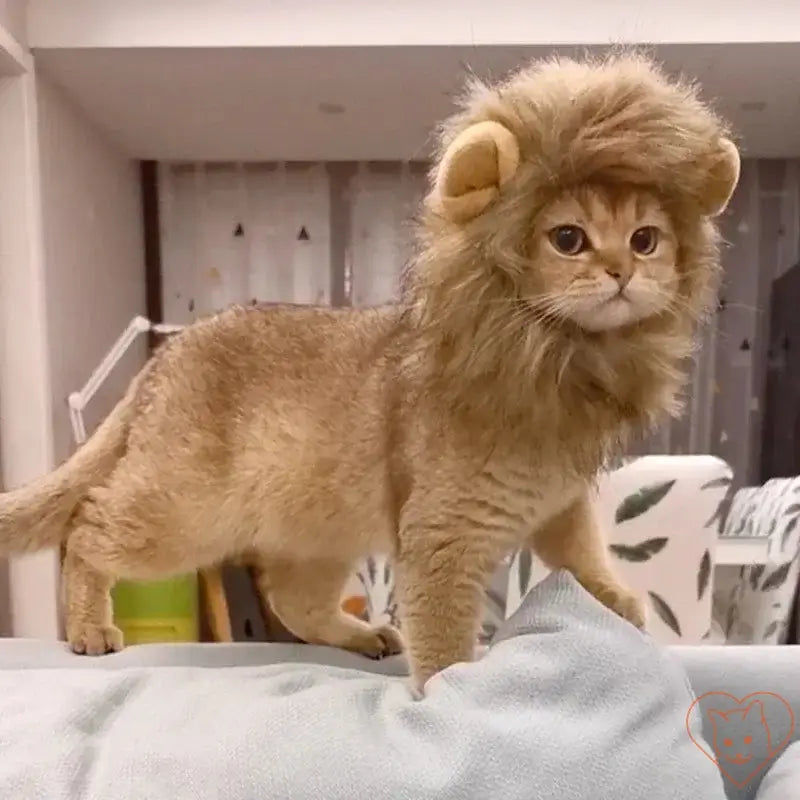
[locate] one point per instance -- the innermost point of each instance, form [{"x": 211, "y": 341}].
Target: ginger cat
[{"x": 565, "y": 252}]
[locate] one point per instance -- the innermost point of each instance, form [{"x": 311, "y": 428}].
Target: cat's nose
[{"x": 621, "y": 276}]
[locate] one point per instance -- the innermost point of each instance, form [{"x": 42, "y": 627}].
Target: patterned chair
[
  {"x": 661, "y": 515},
  {"x": 753, "y": 604},
  {"x": 370, "y": 595}
]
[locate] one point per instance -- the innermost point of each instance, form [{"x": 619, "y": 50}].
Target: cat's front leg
[
  {"x": 442, "y": 570},
  {"x": 572, "y": 540}
]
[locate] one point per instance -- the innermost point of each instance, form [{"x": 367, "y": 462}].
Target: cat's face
[
  {"x": 604, "y": 259},
  {"x": 740, "y": 734}
]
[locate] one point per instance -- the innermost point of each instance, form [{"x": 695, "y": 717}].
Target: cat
[
  {"x": 741, "y": 735},
  {"x": 564, "y": 253}
]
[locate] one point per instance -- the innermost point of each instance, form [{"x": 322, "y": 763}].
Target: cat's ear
[
  {"x": 722, "y": 176},
  {"x": 474, "y": 168},
  {"x": 717, "y": 716},
  {"x": 756, "y": 707}
]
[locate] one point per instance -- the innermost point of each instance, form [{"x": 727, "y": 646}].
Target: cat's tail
[{"x": 37, "y": 515}]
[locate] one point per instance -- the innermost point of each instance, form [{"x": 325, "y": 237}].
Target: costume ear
[
  {"x": 723, "y": 175},
  {"x": 473, "y": 169}
]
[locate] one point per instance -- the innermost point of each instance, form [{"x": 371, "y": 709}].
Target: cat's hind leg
[
  {"x": 120, "y": 531},
  {"x": 306, "y": 597},
  {"x": 88, "y": 579},
  {"x": 87, "y": 604}
]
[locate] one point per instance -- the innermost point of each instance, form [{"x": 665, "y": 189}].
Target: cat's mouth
[
  {"x": 609, "y": 313},
  {"x": 595, "y": 311},
  {"x": 619, "y": 297},
  {"x": 739, "y": 759},
  {"x": 620, "y": 294}
]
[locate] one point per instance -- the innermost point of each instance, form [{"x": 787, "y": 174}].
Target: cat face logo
[
  {"x": 732, "y": 741},
  {"x": 745, "y": 735}
]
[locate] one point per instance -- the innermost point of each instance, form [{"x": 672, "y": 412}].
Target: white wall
[
  {"x": 297, "y": 23},
  {"x": 94, "y": 267},
  {"x": 13, "y": 24},
  {"x": 26, "y": 440},
  {"x": 14, "y": 56},
  {"x": 71, "y": 278},
  {"x": 13, "y": 17}
]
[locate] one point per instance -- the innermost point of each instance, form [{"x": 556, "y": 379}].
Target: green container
[{"x": 158, "y": 611}]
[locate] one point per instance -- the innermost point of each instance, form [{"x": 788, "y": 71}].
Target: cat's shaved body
[{"x": 566, "y": 250}]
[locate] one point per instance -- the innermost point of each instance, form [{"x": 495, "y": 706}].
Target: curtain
[{"x": 322, "y": 233}]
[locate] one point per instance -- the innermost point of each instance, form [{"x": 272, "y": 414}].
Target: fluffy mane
[{"x": 616, "y": 121}]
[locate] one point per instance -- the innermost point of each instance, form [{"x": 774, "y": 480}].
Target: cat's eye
[
  {"x": 569, "y": 239},
  {"x": 644, "y": 240}
]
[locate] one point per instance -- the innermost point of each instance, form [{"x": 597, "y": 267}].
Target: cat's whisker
[
  {"x": 553, "y": 312},
  {"x": 745, "y": 307},
  {"x": 567, "y": 357},
  {"x": 680, "y": 304}
]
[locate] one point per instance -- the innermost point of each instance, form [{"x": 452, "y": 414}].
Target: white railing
[{"x": 80, "y": 399}]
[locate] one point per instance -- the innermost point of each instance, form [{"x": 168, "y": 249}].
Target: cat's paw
[
  {"x": 94, "y": 640},
  {"x": 627, "y": 605},
  {"x": 416, "y": 689},
  {"x": 378, "y": 642},
  {"x": 619, "y": 599}
]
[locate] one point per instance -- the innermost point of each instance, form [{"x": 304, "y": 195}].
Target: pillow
[
  {"x": 570, "y": 702},
  {"x": 783, "y": 778}
]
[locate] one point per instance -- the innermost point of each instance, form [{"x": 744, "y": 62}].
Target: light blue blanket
[{"x": 571, "y": 704}]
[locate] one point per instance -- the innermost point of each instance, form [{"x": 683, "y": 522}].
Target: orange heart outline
[{"x": 776, "y": 749}]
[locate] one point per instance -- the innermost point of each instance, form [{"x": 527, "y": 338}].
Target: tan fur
[
  {"x": 449, "y": 429},
  {"x": 34, "y": 516}
]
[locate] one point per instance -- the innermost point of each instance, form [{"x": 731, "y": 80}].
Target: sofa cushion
[
  {"x": 547, "y": 712},
  {"x": 782, "y": 781}
]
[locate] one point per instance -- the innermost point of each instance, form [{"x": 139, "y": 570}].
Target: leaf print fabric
[
  {"x": 703, "y": 574},
  {"x": 787, "y": 532},
  {"x": 643, "y": 551},
  {"x": 776, "y": 579},
  {"x": 660, "y": 515},
  {"x": 656, "y": 512},
  {"x": 665, "y": 612},
  {"x": 717, "y": 483},
  {"x": 636, "y": 504},
  {"x": 757, "y": 603},
  {"x": 375, "y": 577}
]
